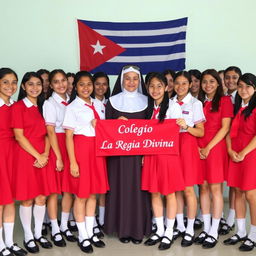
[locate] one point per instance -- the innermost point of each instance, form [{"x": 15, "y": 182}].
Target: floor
[{"x": 115, "y": 248}]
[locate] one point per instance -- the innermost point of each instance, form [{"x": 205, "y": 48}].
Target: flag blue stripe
[
  {"x": 147, "y": 39},
  {"x": 135, "y": 25},
  {"x": 153, "y": 50},
  {"x": 146, "y": 67}
]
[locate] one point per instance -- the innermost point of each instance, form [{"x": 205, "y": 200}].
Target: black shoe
[
  {"x": 97, "y": 230},
  {"x": 185, "y": 242},
  {"x": 208, "y": 245},
  {"x": 72, "y": 228},
  {"x": 70, "y": 238},
  {"x": 6, "y": 252},
  {"x": 177, "y": 233},
  {"x": 246, "y": 248},
  {"x": 136, "y": 241},
  {"x": 98, "y": 244},
  {"x": 164, "y": 246},
  {"x": 200, "y": 239},
  {"x": 86, "y": 249},
  {"x": 44, "y": 229},
  {"x": 222, "y": 222},
  {"x": 225, "y": 229},
  {"x": 234, "y": 240},
  {"x": 198, "y": 224},
  {"x": 59, "y": 243},
  {"x": 19, "y": 252},
  {"x": 150, "y": 241},
  {"x": 44, "y": 243},
  {"x": 34, "y": 249},
  {"x": 125, "y": 240}
]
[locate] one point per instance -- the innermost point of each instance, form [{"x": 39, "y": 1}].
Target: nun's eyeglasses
[{"x": 131, "y": 66}]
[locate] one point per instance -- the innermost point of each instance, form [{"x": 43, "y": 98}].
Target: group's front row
[{"x": 49, "y": 149}]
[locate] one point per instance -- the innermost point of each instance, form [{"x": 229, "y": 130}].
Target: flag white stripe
[
  {"x": 150, "y": 58},
  {"x": 154, "y": 32},
  {"x": 162, "y": 44}
]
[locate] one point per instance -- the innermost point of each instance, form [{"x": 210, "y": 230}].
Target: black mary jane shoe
[
  {"x": 33, "y": 249},
  {"x": 97, "y": 230},
  {"x": 72, "y": 228},
  {"x": 198, "y": 224},
  {"x": 200, "y": 239},
  {"x": 246, "y": 248},
  {"x": 154, "y": 228},
  {"x": 165, "y": 246},
  {"x": 70, "y": 238},
  {"x": 177, "y": 233},
  {"x": 136, "y": 241},
  {"x": 125, "y": 240},
  {"x": 59, "y": 243},
  {"x": 234, "y": 240},
  {"x": 86, "y": 249},
  {"x": 19, "y": 252},
  {"x": 6, "y": 252},
  {"x": 225, "y": 229},
  {"x": 150, "y": 241},
  {"x": 98, "y": 243},
  {"x": 208, "y": 245},
  {"x": 185, "y": 242},
  {"x": 44, "y": 243}
]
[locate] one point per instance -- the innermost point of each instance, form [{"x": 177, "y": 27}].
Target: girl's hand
[
  {"x": 122, "y": 118},
  {"x": 234, "y": 156},
  {"x": 93, "y": 122},
  {"x": 182, "y": 123},
  {"x": 204, "y": 152},
  {"x": 42, "y": 160},
  {"x": 241, "y": 155},
  {"x": 74, "y": 170},
  {"x": 59, "y": 165}
]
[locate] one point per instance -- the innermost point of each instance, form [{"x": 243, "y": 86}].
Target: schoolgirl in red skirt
[
  {"x": 8, "y": 86},
  {"x": 162, "y": 174},
  {"x": 30, "y": 159},
  {"x": 218, "y": 110},
  {"x": 241, "y": 143},
  {"x": 89, "y": 176},
  {"x": 192, "y": 126},
  {"x": 54, "y": 110}
]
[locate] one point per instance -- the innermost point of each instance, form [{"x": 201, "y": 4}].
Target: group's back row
[{"x": 49, "y": 138}]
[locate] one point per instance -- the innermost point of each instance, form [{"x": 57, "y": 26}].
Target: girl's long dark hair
[
  {"x": 7, "y": 71},
  {"x": 219, "y": 92},
  {"x": 23, "y": 94},
  {"x": 95, "y": 77},
  {"x": 249, "y": 79},
  {"x": 164, "y": 105}
]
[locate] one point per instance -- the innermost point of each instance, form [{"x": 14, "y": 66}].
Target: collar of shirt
[
  {"x": 28, "y": 103},
  {"x": 207, "y": 99},
  {"x": 3, "y": 103},
  {"x": 244, "y": 105},
  {"x": 102, "y": 101},
  {"x": 82, "y": 102},
  {"x": 232, "y": 95},
  {"x": 57, "y": 97},
  {"x": 185, "y": 100}
]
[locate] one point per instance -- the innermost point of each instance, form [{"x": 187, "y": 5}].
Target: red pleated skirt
[
  {"x": 190, "y": 160},
  {"x": 163, "y": 174},
  {"x": 92, "y": 170}
]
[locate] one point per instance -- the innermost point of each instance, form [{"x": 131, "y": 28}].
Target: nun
[{"x": 128, "y": 210}]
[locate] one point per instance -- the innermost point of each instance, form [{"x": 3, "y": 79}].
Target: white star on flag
[{"x": 97, "y": 47}]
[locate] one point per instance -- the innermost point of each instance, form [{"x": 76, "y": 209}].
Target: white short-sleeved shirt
[
  {"x": 54, "y": 111},
  {"x": 173, "y": 111},
  {"x": 100, "y": 106},
  {"x": 192, "y": 110},
  {"x": 78, "y": 118},
  {"x": 232, "y": 96},
  {"x": 3, "y": 103}
]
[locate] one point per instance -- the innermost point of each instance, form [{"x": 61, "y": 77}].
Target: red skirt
[
  {"x": 215, "y": 166},
  {"x": 163, "y": 174},
  {"x": 29, "y": 181},
  {"x": 6, "y": 155},
  {"x": 92, "y": 170},
  {"x": 243, "y": 174},
  {"x": 190, "y": 160}
]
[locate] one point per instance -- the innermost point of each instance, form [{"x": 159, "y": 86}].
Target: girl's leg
[
  {"x": 8, "y": 223},
  {"x": 26, "y": 217},
  {"x": 251, "y": 198},
  {"x": 180, "y": 212},
  {"x": 66, "y": 205},
  {"x": 157, "y": 206},
  {"x": 38, "y": 213},
  {"x": 101, "y": 209},
  {"x": 2, "y": 244},
  {"x": 231, "y": 213}
]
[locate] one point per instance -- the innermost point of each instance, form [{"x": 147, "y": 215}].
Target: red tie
[
  {"x": 64, "y": 103},
  {"x": 180, "y": 103},
  {"x": 156, "y": 111},
  {"x": 235, "y": 124},
  {"x": 96, "y": 115}
]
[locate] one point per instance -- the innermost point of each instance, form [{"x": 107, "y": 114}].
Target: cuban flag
[{"x": 153, "y": 46}]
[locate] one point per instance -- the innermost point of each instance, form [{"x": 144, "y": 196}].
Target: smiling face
[
  {"x": 8, "y": 86},
  {"x": 84, "y": 88},
  {"x": 100, "y": 87},
  {"x": 245, "y": 91},
  {"x": 170, "y": 83},
  {"x": 209, "y": 85},
  {"x": 231, "y": 79},
  {"x": 131, "y": 81},
  {"x": 59, "y": 83},
  {"x": 70, "y": 85},
  {"x": 46, "y": 82},
  {"x": 195, "y": 85},
  {"x": 156, "y": 90},
  {"x": 33, "y": 88},
  {"x": 182, "y": 86}
]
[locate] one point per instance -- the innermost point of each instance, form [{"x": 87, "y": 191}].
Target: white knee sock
[
  {"x": 82, "y": 234},
  {"x": 241, "y": 228},
  {"x": 8, "y": 233},
  {"x": 56, "y": 229},
  {"x": 160, "y": 226},
  {"x": 169, "y": 230},
  {"x": 25, "y": 218},
  {"x": 2, "y": 245},
  {"x": 89, "y": 221},
  {"x": 180, "y": 222},
  {"x": 252, "y": 233},
  {"x": 46, "y": 217},
  {"x": 207, "y": 222},
  {"x": 64, "y": 221},
  {"x": 101, "y": 215},
  {"x": 38, "y": 212},
  {"x": 214, "y": 229},
  {"x": 190, "y": 227},
  {"x": 231, "y": 217}
]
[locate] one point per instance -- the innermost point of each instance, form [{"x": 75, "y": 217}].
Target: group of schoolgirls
[{"x": 36, "y": 167}]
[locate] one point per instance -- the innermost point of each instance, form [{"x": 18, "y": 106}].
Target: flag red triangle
[{"x": 95, "y": 49}]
